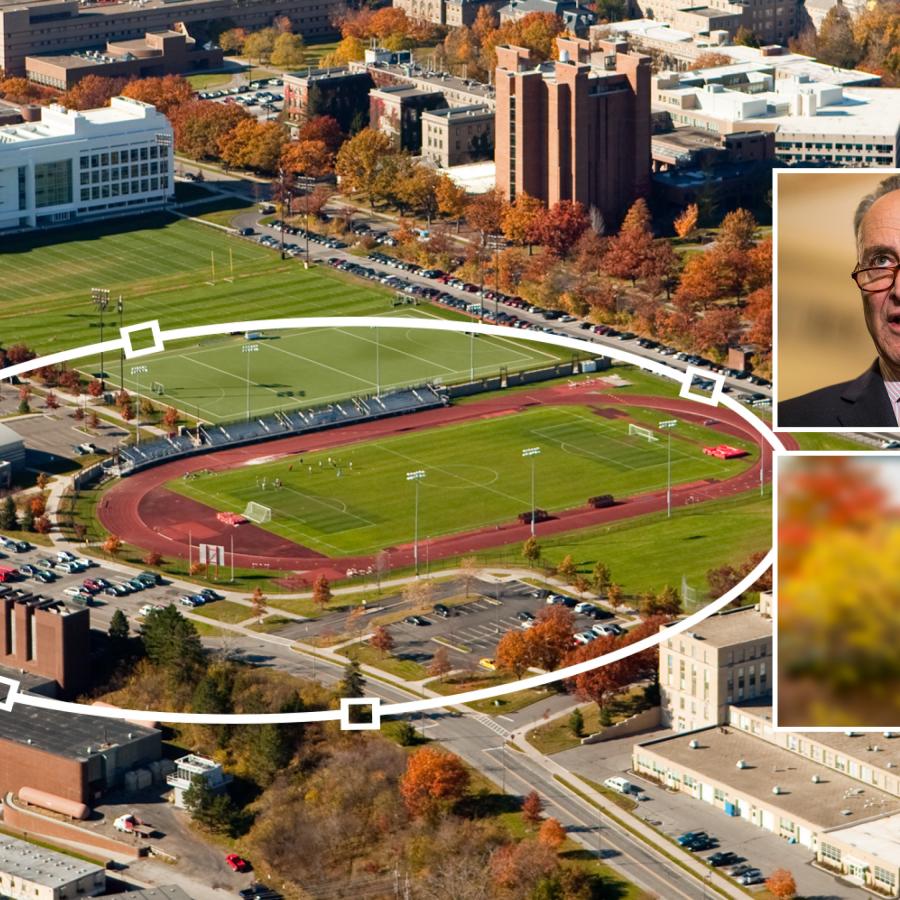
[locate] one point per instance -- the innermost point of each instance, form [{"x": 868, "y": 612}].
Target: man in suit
[{"x": 873, "y": 399}]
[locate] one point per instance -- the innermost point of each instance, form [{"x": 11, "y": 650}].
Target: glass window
[
  {"x": 135, "y": 187},
  {"x": 85, "y": 193},
  {"x": 104, "y": 159},
  {"x": 145, "y": 185},
  {"x": 95, "y": 161},
  {"x": 154, "y": 184},
  {"x": 53, "y": 183},
  {"x": 145, "y": 169},
  {"x": 114, "y": 157},
  {"x": 95, "y": 193},
  {"x": 143, "y": 152},
  {"x": 134, "y": 154}
]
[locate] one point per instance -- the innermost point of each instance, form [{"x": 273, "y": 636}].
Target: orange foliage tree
[{"x": 434, "y": 780}]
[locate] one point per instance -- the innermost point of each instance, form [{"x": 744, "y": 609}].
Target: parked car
[
  {"x": 753, "y": 876},
  {"x": 148, "y": 608},
  {"x": 689, "y": 837},
  {"x": 44, "y": 576},
  {"x": 723, "y": 858},
  {"x": 583, "y": 637},
  {"x": 523, "y": 615},
  {"x": 488, "y": 664},
  {"x": 208, "y": 594},
  {"x": 237, "y": 863},
  {"x": 189, "y": 600},
  {"x": 738, "y": 870},
  {"x": 259, "y": 892},
  {"x": 415, "y": 620},
  {"x": 439, "y": 609}
]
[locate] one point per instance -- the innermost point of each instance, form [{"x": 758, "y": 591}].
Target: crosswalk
[{"x": 492, "y": 725}]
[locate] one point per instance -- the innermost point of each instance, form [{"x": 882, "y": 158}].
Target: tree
[
  {"x": 451, "y": 198},
  {"x": 312, "y": 158},
  {"x": 51, "y": 401},
  {"x": 359, "y": 160},
  {"x": 434, "y": 780},
  {"x": 253, "y": 145},
  {"x": 419, "y": 593},
  {"x": 382, "y": 640},
  {"x": 522, "y": 220},
  {"x": 737, "y": 230},
  {"x": 259, "y": 45},
  {"x": 322, "y": 128},
  {"x": 469, "y": 567},
  {"x": 485, "y": 212},
  {"x": 95, "y": 388},
  {"x": 258, "y": 600},
  {"x": 440, "y": 663},
  {"x": 232, "y": 41},
  {"x": 531, "y": 551},
  {"x": 350, "y": 49},
  {"x": 745, "y": 37},
  {"x": 93, "y": 92},
  {"x": 627, "y": 252},
  {"x": 551, "y": 636},
  {"x": 551, "y": 834},
  {"x": 599, "y": 684},
  {"x": 514, "y": 652},
  {"x": 559, "y": 228},
  {"x": 112, "y": 545},
  {"x": 288, "y": 51},
  {"x": 9, "y": 520},
  {"x": 686, "y": 222},
  {"x": 153, "y": 559},
  {"x": 118, "y": 628},
  {"x": 353, "y": 684},
  {"x": 835, "y": 44},
  {"x": 170, "y": 417},
  {"x": 576, "y": 722},
  {"x": 519, "y": 868},
  {"x": 532, "y": 808},
  {"x": 26, "y": 519},
  {"x": 601, "y": 577},
  {"x": 417, "y": 191},
  {"x": 172, "y": 643},
  {"x": 321, "y": 593},
  {"x": 567, "y": 569},
  {"x": 200, "y": 126},
  {"x": 38, "y": 505},
  {"x": 166, "y": 93},
  {"x": 781, "y": 884},
  {"x": 213, "y": 810},
  {"x": 666, "y": 603},
  {"x": 710, "y": 60},
  {"x": 405, "y": 733}
]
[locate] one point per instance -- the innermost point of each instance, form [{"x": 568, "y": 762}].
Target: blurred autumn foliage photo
[{"x": 839, "y": 591}]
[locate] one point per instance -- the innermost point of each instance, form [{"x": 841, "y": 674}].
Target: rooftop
[
  {"x": 832, "y": 801},
  {"x": 441, "y": 81},
  {"x": 7, "y": 435},
  {"x": 737, "y": 626},
  {"x": 44, "y": 867},
  {"x": 62, "y": 734},
  {"x": 163, "y": 892},
  {"x": 476, "y": 110},
  {"x": 880, "y": 838}
]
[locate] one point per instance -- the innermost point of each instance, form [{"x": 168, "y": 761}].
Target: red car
[
  {"x": 90, "y": 585},
  {"x": 237, "y": 863}
]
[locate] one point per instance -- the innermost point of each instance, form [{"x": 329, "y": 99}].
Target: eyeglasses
[{"x": 880, "y": 278}]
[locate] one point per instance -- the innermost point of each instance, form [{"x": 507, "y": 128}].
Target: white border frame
[
  {"x": 874, "y": 456},
  {"x": 685, "y": 379},
  {"x": 777, "y": 174}
]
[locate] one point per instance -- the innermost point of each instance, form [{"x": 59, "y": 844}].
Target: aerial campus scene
[{"x": 404, "y": 489}]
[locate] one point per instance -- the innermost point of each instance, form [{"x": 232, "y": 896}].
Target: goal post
[
  {"x": 258, "y": 513},
  {"x": 158, "y": 388},
  {"x": 642, "y": 432}
]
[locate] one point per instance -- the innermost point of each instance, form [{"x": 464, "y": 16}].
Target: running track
[{"x": 142, "y": 511}]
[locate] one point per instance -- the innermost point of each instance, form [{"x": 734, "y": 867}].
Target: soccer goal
[
  {"x": 644, "y": 433},
  {"x": 158, "y": 388},
  {"x": 256, "y": 512}
]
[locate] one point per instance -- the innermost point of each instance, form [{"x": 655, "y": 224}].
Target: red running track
[{"x": 142, "y": 511}]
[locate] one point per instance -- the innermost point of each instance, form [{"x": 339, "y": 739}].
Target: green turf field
[
  {"x": 216, "y": 381},
  {"x": 475, "y": 477}
]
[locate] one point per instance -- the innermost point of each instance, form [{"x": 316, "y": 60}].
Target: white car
[
  {"x": 72, "y": 591},
  {"x": 70, "y": 567},
  {"x": 584, "y": 607},
  {"x": 65, "y": 556},
  {"x": 584, "y": 637},
  {"x": 148, "y": 608}
]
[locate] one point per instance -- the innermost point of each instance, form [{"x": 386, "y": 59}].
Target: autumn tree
[
  {"x": 253, "y": 145},
  {"x": 686, "y": 222},
  {"x": 737, "y": 230},
  {"x": 419, "y": 593},
  {"x": 710, "y": 60},
  {"x": 835, "y": 44},
  {"x": 599, "y": 684},
  {"x": 451, "y": 198},
  {"x": 551, "y": 834},
  {"x": 522, "y": 219},
  {"x": 322, "y": 128},
  {"x": 93, "y": 92},
  {"x": 259, "y": 604},
  {"x": 667, "y": 602},
  {"x": 433, "y": 781},
  {"x": 440, "y": 663},
  {"x": 259, "y": 45},
  {"x": 567, "y": 569},
  {"x": 628, "y": 250},
  {"x": 313, "y": 158},
  {"x": 288, "y": 51},
  {"x": 321, "y": 593},
  {"x": 515, "y": 652},
  {"x": 382, "y": 640},
  {"x": 531, "y": 551},
  {"x": 532, "y": 808},
  {"x": 485, "y": 212},
  {"x": 781, "y": 884},
  {"x": 200, "y": 126},
  {"x": 551, "y": 636},
  {"x": 112, "y": 545},
  {"x": 359, "y": 161},
  {"x": 153, "y": 559},
  {"x": 518, "y": 868},
  {"x": 232, "y": 41},
  {"x": 469, "y": 569},
  {"x": 349, "y": 49},
  {"x": 560, "y": 227},
  {"x": 165, "y": 93}
]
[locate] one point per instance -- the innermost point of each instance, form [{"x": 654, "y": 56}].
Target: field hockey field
[
  {"x": 217, "y": 381},
  {"x": 358, "y": 500}
]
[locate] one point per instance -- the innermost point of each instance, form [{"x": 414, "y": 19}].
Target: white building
[
  {"x": 193, "y": 768},
  {"x": 29, "y": 872},
  {"x": 93, "y": 163}
]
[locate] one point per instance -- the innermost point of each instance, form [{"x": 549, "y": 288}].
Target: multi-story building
[
  {"x": 726, "y": 659},
  {"x": 575, "y": 129},
  {"x": 397, "y": 111},
  {"x": 74, "y": 165},
  {"x": 157, "y": 53},
  {"x": 459, "y": 135},
  {"x": 387, "y": 67},
  {"x": 577, "y": 18},
  {"x": 46, "y": 638},
  {"x": 338, "y": 92},
  {"x": 813, "y": 122},
  {"x": 454, "y": 13},
  {"x": 37, "y": 27},
  {"x": 192, "y": 768},
  {"x": 30, "y": 872}
]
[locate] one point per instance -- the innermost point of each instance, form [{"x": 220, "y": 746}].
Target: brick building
[
  {"x": 337, "y": 92},
  {"x": 575, "y": 129},
  {"x": 397, "y": 112},
  {"x": 157, "y": 53},
  {"x": 45, "y": 637},
  {"x": 31, "y": 27}
]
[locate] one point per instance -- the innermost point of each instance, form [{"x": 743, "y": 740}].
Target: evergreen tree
[
  {"x": 118, "y": 627},
  {"x": 576, "y": 722},
  {"x": 214, "y": 811},
  {"x": 8, "y": 518},
  {"x": 26, "y": 522},
  {"x": 353, "y": 683},
  {"x": 172, "y": 643}
]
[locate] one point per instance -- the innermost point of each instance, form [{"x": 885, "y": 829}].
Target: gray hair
[{"x": 889, "y": 184}]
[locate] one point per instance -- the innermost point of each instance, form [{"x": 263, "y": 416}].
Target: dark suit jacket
[{"x": 861, "y": 403}]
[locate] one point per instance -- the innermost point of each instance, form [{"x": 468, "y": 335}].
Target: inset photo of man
[{"x": 838, "y": 299}]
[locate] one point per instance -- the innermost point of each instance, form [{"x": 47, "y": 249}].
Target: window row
[
  {"x": 114, "y": 157},
  {"x": 98, "y": 192}
]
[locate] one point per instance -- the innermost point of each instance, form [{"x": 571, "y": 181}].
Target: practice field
[
  {"x": 357, "y": 500},
  {"x": 217, "y": 381}
]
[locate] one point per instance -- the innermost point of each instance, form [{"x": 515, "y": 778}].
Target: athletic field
[
  {"x": 217, "y": 380},
  {"x": 357, "y": 500}
]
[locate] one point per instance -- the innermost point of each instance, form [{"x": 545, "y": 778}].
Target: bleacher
[{"x": 206, "y": 438}]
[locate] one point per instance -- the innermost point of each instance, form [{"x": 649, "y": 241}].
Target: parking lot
[{"x": 263, "y": 99}]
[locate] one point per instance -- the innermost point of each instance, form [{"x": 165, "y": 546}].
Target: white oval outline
[{"x": 430, "y": 703}]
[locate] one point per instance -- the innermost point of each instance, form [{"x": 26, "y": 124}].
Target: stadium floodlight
[
  {"x": 136, "y": 372},
  {"x": 416, "y": 477},
  {"x": 100, "y": 299},
  {"x": 668, "y": 424},
  {"x": 248, "y": 349},
  {"x": 532, "y": 453}
]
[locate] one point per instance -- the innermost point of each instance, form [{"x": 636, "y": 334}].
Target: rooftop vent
[
  {"x": 846, "y": 812},
  {"x": 694, "y": 744},
  {"x": 742, "y": 764},
  {"x": 816, "y": 779},
  {"x": 776, "y": 789}
]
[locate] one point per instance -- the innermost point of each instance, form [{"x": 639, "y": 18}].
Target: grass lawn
[
  {"x": 475, "y": 476},
  {"x": 225, "y": 611},
  {"x": 271, "y": 624},
  {"x": 467, "y": 681},
  {"x": 823, "y": 441},
  {"x": 407, "y": 669},
  {"x": 203, "y": 81}
]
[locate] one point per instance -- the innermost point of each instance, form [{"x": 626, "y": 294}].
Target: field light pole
[
  {"x": 669, "y": 424},
  {"x": 306, "y": 183},
  {"x": 100, "y": 299},
  {"x": 136, "y": 372},
  {"x": 531, "y": 453},
  {"x": 120, "y": 308},
  {"x": 248, "y": 349},
  {"x": 496, "y": 242},
  {"x": 416, "y": 477}
]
